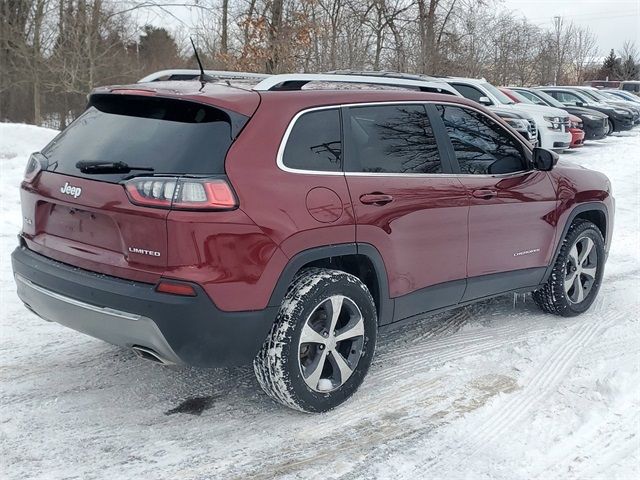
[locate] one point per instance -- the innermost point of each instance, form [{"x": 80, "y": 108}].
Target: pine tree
[{"x": 610, "y": 66}]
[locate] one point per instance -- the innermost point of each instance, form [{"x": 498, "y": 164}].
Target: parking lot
[{"x": 496, "y": 390}]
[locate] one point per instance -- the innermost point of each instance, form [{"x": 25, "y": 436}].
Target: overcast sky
[{"x": 613, "y": 21}]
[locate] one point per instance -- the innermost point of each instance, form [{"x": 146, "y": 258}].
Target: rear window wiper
[{"x": 108, "y": 167}]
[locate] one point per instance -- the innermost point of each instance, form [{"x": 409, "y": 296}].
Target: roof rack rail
[
  {"x": 193, "y": 74},
  {"x": 296, "y": 81},
  {"x": 384, "y": 74}
]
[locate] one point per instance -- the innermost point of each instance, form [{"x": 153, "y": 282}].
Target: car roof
[{"x": 245, "y": 101}]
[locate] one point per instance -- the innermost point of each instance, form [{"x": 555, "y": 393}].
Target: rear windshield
[{"x": 158, "y": 136}]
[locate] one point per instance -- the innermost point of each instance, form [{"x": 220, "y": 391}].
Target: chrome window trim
[{"x": 287, "y": 133}]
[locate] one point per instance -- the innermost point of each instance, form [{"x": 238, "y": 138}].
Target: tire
[
  {"x": 611, "y": 127},
  {"x": 575, "y": 279},
  {"x": 287, "y": 367}
]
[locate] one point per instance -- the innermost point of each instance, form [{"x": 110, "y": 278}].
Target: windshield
[
  {"x": 590, "y": 95},
  {"x": 501, "y": 97},
  {"x": 548, "y": 99},
  {"x": 521, "y": 98}
]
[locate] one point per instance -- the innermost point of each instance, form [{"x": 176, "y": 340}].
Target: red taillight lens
[
  {"x": 35, "y": 165},
  {"x": 182, "y": 193},
  {"x": 175, "y": 288}
]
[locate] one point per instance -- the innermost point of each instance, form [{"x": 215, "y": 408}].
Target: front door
[
  {"x": 408, "y": 204},
  {"x": 511, "y": 214}
]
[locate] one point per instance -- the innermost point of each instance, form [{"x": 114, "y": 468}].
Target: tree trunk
[
  {"x": 224, "y": 40},
  {"x": 273, "y": 36}
]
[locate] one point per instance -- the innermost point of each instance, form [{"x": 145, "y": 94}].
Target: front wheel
[
  {"x": 609, "y": 127},
  {"x": 577, "y": 273},
  {"x": 322, "y": 341}
]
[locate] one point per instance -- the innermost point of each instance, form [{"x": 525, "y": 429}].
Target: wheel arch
[
  {"x": 362, "y": 260},
  {"x": 595, "y": 212}
]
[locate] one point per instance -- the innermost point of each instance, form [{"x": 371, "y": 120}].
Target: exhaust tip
[{"x": 150, "y": 354}]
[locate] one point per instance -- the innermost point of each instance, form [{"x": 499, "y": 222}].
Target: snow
[{"x": 497, "y": 390}]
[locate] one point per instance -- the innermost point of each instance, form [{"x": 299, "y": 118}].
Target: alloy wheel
[
  {"x": 331, "y": 343},
  {"x": 580, "y": 269}
]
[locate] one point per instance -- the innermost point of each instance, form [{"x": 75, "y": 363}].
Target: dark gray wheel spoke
[
  {"x": 342, "y": 365},
  {"x": 351, "y": 331},
  {"x": 313, "y": 376}
]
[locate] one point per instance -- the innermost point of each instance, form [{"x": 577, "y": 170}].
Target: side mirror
[
  {"x": 485, "y": 101},
  {"x": 579, "y": 104},
  {"x": 544, "y": 159}
]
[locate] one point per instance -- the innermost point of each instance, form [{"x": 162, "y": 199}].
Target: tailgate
[
  {"x": 98, "y": 229},
  {"x": 74, "y": 203}
]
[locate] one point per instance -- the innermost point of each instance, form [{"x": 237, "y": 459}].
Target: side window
[
  {"x": 566, "y": 97},
  {"x": 481, "y": 146},
  {"x": 391, "y": 139},
  {"x": 466, "y": 91},
  {"x": 314, "y": 142}
]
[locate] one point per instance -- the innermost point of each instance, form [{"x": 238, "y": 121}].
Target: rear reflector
[
  {"x": 175, "y": 288},
  {"x": 181, "y": 193}
]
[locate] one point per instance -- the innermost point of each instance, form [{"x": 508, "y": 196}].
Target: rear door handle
[
  {"x": 484, "y": 193},
  {"x": 375, "y": 198}
]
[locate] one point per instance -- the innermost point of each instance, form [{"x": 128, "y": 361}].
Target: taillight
[
  {"x": 37, "y": 162},
  {"x": 181, "y": 193}
]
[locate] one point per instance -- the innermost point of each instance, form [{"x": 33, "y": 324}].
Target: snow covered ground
[{"x": 493, "y": 391}]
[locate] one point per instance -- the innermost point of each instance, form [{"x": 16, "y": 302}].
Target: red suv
[{"x": 214, "y": 225}]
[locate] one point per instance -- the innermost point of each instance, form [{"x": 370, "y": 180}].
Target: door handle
[
  {"x": 484, "y": 194},
  {"x": 375, "y": 198}
]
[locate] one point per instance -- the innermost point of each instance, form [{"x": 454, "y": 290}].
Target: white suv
[{"x": 553, "y": 123}]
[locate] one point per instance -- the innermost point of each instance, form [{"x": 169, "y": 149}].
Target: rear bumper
[{"x": 180, "y": 330}]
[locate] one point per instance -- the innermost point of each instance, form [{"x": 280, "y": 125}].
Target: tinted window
[
  {"x": 466, "y": 91},
  {"x": 392, "y": 139},
  {"x": 168, "y": 136},
  {"x": 481, "y": 146},
  {"x": 314, "y": 142}
]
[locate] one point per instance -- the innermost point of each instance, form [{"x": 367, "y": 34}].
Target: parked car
[
  {"x": 619, "y": 118},
  {"x": 594, "y": 123},
  {"x": 577, "y": 132},
  {"x": 521, "y": 122},
  {"x": 597, "y": 95},
  {"x": 551, "y": 122},
  {"x": 573, "y": 124},
  {"x": 202, "y": 224},
  {"x": 632, "y": 86},
  {"x": 624, "y": 95}
]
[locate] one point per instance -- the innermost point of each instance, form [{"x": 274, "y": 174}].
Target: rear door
[
  {"x": 511, "y": 215},
  {"x": 83, "y": 216},
  {"x": 407, "y": 204}
]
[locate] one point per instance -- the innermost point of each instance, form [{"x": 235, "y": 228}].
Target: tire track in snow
[
  {"x": 595, "y": 450},
  {"x": 544, "y": 381}
]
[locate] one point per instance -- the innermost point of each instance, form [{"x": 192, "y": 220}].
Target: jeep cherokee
[{"x": 212, "y": 225}]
